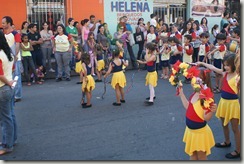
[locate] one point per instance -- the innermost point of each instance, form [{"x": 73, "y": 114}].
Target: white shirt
[{"x": 153, "y": 22}]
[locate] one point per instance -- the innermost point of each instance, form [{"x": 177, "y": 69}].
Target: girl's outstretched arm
[{"x": 211, "y": 67}]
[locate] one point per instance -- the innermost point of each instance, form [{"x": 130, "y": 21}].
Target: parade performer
[
  {"x": 78, "y": 65},
  {"x": 100, "y": 64},
  {"x": 118, "y": 81},
  {"x": 229, "y": 106},
  {"x": 152, "y": 77},
  {"x": 88, "y": 81},
  {"x": 200, "y": 108}
]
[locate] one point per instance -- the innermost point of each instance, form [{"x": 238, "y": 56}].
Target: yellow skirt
[
  {"x": 118, "y": 78},
  {"x": 100, "y": 65},
  {"x": 78, "y": 67},
  {"x": 198, "y": 140},
  {"x": 228, "y": 109},
  {"x": 152, "y": 78},
  {"x": 90, "y": 85}
]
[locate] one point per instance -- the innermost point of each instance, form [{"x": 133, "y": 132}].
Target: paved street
[{"x": 53, "y": 126}]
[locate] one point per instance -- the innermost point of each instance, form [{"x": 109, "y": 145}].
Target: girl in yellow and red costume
[
  {"x": 152, "y": 76},
  {"x": 199, "y": 109},
  {"x": 118, "y": 81},
  {"x": 229, "y": 106}
]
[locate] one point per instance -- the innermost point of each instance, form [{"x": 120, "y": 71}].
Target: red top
[
  {"x": 226, "y": 87},
  {"x": 191, "y": 114}
]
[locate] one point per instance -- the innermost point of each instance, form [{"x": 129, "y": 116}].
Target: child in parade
[
  {"x": 198, "y": 136},
  {"x": 152, "y": 77},
  {"x": 188, "y": 49},
  {"x": 28, "y": 63},
  {"x": 88, "y": 81},
  {"x": 204, "y": 48},
  {"x": 218, "y": 55},
  {"x": 176, "y": 50},
  {"x": 100, "y": 64},
  {"x": 229, "y": 107},
  {"x": 188, "y": 52},
  {"x": 164, "y": 63},
  {"x": 78, "y": 65},
  {"x": 118, "y": 81}
]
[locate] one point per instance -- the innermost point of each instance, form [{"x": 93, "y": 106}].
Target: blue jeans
[
  {"x": 7, "y": 116},
  {"x": 18, "y": 87}
]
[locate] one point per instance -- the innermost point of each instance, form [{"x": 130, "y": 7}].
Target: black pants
[
  {"x": 195, "y": 55},
  {"x": 141, "y": 45},
  {"x": 132, "y": 56},
  {"x": 37, "y": 57},
  {"x": 28, "y": 63}
]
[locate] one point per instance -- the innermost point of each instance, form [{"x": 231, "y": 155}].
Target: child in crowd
[
  {"x": 229, "y": 107},
  {"x": 164, "y": 63},
  {"x": 100, "y": 64},
  {"x": 176, "y": 50},
  {"x": 235, "y": 41},
  {"x": 188, "y": 51},
  {"x": 198, "y": 136},
  {"x": 152, "y": 77},
  {"x": 118, "y": 81},
  {"x": 40, "y": 73},
  {"x": 28, "y": 63},
  {"x": 88, "y": 81},
  {"x": 218, "y": 55},
  {"x": 204, "y": 48}
]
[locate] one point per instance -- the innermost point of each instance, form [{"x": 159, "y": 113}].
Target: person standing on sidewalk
[
  {"x": 46, "y": 47},
  {"x": 129, "y": 47},
  {"x": 14, "y": 39},
  {"x": 62, "y": 46},
  {"x": 7, "y": 116}
]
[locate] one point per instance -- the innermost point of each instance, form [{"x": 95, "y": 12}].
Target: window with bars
[{"x": 49, "y": 11}]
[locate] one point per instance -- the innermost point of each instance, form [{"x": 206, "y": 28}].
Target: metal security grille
[
  {"x": 169, "y": 12},
  {"x": 39, "y": 11}
]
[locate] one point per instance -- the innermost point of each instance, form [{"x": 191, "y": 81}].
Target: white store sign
[{"x": 114, "y": 9}]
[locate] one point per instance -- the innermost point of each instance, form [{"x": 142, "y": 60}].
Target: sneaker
[
  {"x": 67, "y": 79},
  {"x": 51, "y": 70},
  {"x": 58, "y": 79},
  {"x": 79, "y": 82}
]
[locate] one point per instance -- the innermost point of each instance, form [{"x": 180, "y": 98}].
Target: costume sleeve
[
  {"x": 194, "y": 35},
  {"x": 179, "y": 47},
  {"x": 207, "y": 48},
  {"x": 221, "y": 48},
  {"x": 1, "y": 68},
  {"x": 190, "y": 50}
]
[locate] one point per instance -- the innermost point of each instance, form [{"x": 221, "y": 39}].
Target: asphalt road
[{"x": 53, "y": 126}]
